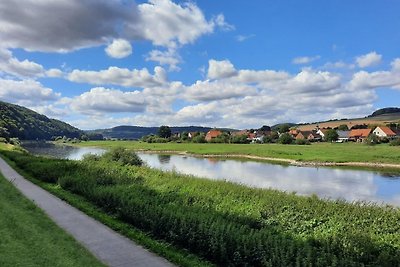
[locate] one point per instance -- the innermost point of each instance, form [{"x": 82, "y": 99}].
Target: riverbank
[
  {"x": 318, "y": 154},
  {"x": 226, "y": 223}
]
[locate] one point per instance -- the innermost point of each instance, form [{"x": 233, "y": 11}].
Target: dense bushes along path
[{"x": 110, "y": 247}]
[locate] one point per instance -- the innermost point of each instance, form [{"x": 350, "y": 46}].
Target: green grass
[
  {"x": 29, "y": 238},
  {"x": 227, "y": 223},
  {"x": 317, "y": 152}
]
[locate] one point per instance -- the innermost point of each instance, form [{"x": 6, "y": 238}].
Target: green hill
[{"x": 25, "y": 124}]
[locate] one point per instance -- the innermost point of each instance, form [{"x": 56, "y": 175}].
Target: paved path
[{"x": 107, "y": 245}]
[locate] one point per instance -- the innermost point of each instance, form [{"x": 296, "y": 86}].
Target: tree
[
  {"x": 164, "y": 131},
  {"x": 284, "y": 128},
  {"x": 265, "y": 128},
  {"x": 343, "y": 127},
  {"x": 285, "y": 139},
  {"x": 200, "y": 138},
  {"x": 331, "y": 135}
]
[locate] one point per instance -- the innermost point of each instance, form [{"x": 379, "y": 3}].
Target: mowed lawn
[
  {"x": 29, "y": 238},
  {"x": 318, "y": 152}
]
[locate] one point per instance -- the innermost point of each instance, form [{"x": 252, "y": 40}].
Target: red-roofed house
[
  {"x": 309, "y": 135},
  {"x": 359, "y": 135},
  {"x": 212, "y": 134},
  {"x": 384, "y": 131}
]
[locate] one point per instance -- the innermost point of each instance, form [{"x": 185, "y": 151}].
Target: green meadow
[{"x": 316, "y": 152}]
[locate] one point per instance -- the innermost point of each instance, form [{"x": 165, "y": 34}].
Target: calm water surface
[
  {"x": 333, "y": 183},
  {"x": 60, "y": 151}
]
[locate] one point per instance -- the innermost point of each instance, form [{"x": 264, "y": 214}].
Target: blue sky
[{"x": 240, "y": 64}]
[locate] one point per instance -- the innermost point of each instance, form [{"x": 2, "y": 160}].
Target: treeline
[
  {"x": 25, "y": 124},
  {"x": 228, "y": 224}
]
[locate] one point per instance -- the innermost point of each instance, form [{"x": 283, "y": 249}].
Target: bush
[
  {"x": 395, "y": 142},
  {"x": 268, "y": 139},
  {"x": 302, "y": 142},
  {"x": 372, "y": 140},
  {"x": 123, "y": 156},
  {"x": 285, "y": 139},
  {"x": 200, "y": 138},
  {"x": 384, "y": 140},
  {"x": 240, "y": 139}
]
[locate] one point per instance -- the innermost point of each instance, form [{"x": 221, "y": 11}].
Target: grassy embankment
[
  {"x": 226, "y": 223},
  {"x": 318, "y": 152},
  {"x": 29, "y": 238}
]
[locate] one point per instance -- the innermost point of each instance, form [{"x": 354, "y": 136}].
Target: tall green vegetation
[
  {"x": 228, "y": 224},
  {"x": 25, "y": 124},
  {"x": 164, "y": 131},
  {"x": 331, "y": 135}
]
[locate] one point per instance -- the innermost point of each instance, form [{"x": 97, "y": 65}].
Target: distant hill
[
  {"x": 384, "y": 111},
  {"x": 136, "y": 132},
  {"x": 382, "y": 116},
  {"x": 26, "y": 124}
]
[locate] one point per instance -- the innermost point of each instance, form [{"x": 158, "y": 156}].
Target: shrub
[
  {"x": 285, "y": 139},
  {"x": 268, "y": 139},
  {"x": 199, "y": 138},
  {"x": 302, "y": 142},
  {"x": 372, "y": 140},
  {"x": 384, "y": 140},
  {"x": 240, "y": 139},
  {"x": 123, "y": 156},
  {"x": 395, "y": 142}
]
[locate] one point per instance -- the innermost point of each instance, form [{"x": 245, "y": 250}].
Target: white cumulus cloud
[
  {"x": 119, "y": 48},
  {"x": 368, "y": 60},
  {"x": 120, "y": 76},
  {"x": 220, "y": 69}
]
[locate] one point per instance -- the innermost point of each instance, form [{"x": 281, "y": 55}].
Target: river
[{"x": 326, "y": 182}]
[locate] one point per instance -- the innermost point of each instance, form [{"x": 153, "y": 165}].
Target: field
[
  {"x": 228, "y": 224},
  {"x": 29, "y": 238},
  {"x": 317, "y": 152},
  {"x": 376, "y": 120}
]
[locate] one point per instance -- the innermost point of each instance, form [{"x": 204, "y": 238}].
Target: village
[{"x": 382, "y": 134}]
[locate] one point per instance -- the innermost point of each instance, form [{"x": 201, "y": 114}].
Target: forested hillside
[{"x": 25, "y": 124}]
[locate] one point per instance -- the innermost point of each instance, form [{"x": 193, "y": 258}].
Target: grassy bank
[
  {"x": 226, "y": 223},
  {"x": 318, "y": 152},
  {"x": 29, "y": 238}
]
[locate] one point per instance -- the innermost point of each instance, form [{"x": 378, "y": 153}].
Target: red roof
[
  {"x": 361, "y": 133},
  {"x": 212, "y": 134},
  {"x": 387, "y": 130}
]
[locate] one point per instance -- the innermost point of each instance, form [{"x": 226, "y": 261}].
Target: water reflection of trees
[{"x": 164, "y": 159}]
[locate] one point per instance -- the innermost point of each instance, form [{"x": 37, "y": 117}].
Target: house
[
  {"x": 384, "y": 131},
  {"x": 294, "y": 132},
  {"x": 239, "y": 133},
  {"x": 322, "y": 132},
  {"x": 359, "y": 135},
  {"x": 211, "y": 134},
  {"x": 343, "y": 136},
  {"x": 192, "y": 134},
  {"x": 309, "y": 135}
]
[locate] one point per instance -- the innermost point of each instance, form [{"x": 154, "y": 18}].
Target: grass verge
[{"x": 29, "y": 238}]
